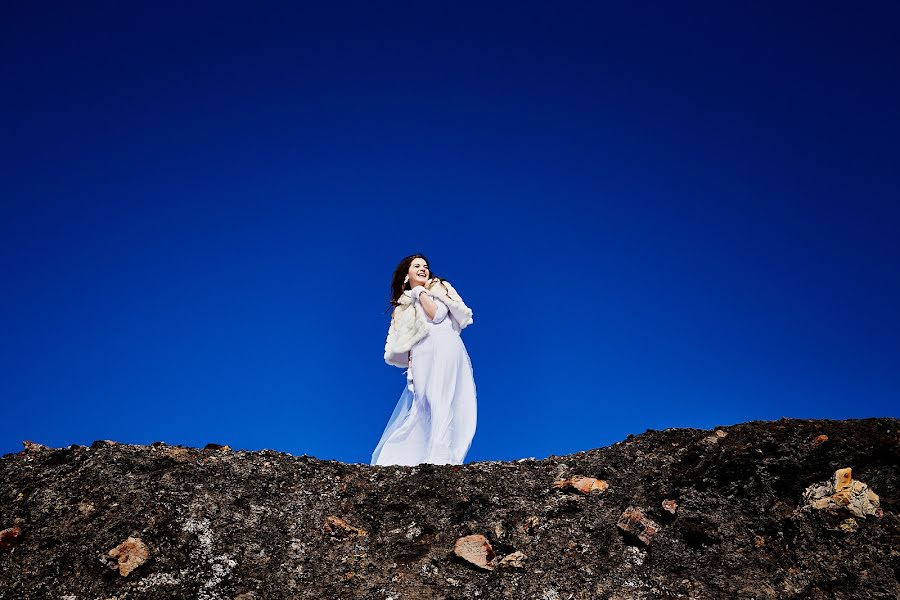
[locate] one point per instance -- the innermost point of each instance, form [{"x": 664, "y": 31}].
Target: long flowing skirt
[{"x": 434, "y": 422}]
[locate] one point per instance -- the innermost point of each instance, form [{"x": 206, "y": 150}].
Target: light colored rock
[
  {"x": 713, "y": 439},
  {"x": 843, "y": 492},
  {"x": 849, "y": 525},
  {"x": 842, "y": 478},
  {"x": 336, "y": 524},
  {"x": 514, "y": 560},
  {"x": 131, "y": 554},
  {"x": 819, "y": 440},
  {"x": 670, "y": 506},
  {"x": 634, "y": 521},
  {"x": 32, "y": 447},
  {"x": 477, "y": 550},
  {"x": 414, "y": 531},
  {"x": 585, "y": 485},
  {"x": 499, "y": 531}
]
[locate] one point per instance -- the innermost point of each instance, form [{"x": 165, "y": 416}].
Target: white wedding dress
[{"x": 434, "y": 420}]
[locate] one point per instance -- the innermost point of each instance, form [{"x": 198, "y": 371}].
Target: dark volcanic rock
[{"x": 223, "y": 524}]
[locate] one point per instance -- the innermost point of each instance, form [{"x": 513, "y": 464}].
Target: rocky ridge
[{"x": 792, "y": 508}]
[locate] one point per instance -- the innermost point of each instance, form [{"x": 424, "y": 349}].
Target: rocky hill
[{"x": 766, "y": 509}]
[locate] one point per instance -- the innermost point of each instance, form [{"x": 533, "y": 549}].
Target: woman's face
[{"x": 418, "y": 272}]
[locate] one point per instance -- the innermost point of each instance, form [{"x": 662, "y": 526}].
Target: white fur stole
[{"x": 410, "y": 323}]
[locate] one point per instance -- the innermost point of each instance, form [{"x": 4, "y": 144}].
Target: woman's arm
[
  {"x": 428, "y": 304},
  {"x": 433, "y": 309},
  {"x": 440, "y": 311}
]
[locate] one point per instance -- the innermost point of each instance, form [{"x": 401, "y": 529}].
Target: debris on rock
[
  {"x": 842, "y": 478},
  {"x": 178, "y": 454},
  {"x": 477, "y": 550},
  {"x": 635, "y": 522},
  {"x": 530, "y": 522},
  {"x": 34, "y": 447},
  {"x": 336, "y": 525},
  {"x": 514, "y": 560},
  {"x": 219, "y": 447},
  {"x": 103, "y": 444},
  {"x": 714, "y": 438},
  {"x": 10, "y": 535},
  {"x": 585, "y": 485},
  {"x": 131, "y": 554},
  {"x": 670, "y": 506},
  {"x": 819, "y": 440},
  {"x": 849, "y": 525},
  {"x": 843, "y": 492}
]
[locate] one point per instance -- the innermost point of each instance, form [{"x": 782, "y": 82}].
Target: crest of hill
[{"x": 794, "y": 508}]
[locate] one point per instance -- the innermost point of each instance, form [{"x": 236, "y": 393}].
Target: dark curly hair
[{"x": 397, "y": 284}]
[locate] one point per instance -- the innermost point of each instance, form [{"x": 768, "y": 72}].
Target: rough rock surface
[{"x": 223, "y": 524}]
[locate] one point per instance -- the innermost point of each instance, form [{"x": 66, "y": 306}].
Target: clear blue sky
[{"x": 673, "y": 215}]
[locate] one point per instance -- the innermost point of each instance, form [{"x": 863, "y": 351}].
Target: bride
[{"x": 434, "y": 420}]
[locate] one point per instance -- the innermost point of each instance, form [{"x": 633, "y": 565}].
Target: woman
[{"x": 434, "y": 420}]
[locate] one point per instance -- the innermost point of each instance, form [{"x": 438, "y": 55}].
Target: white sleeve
[{"x": 441, "y": 311}]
